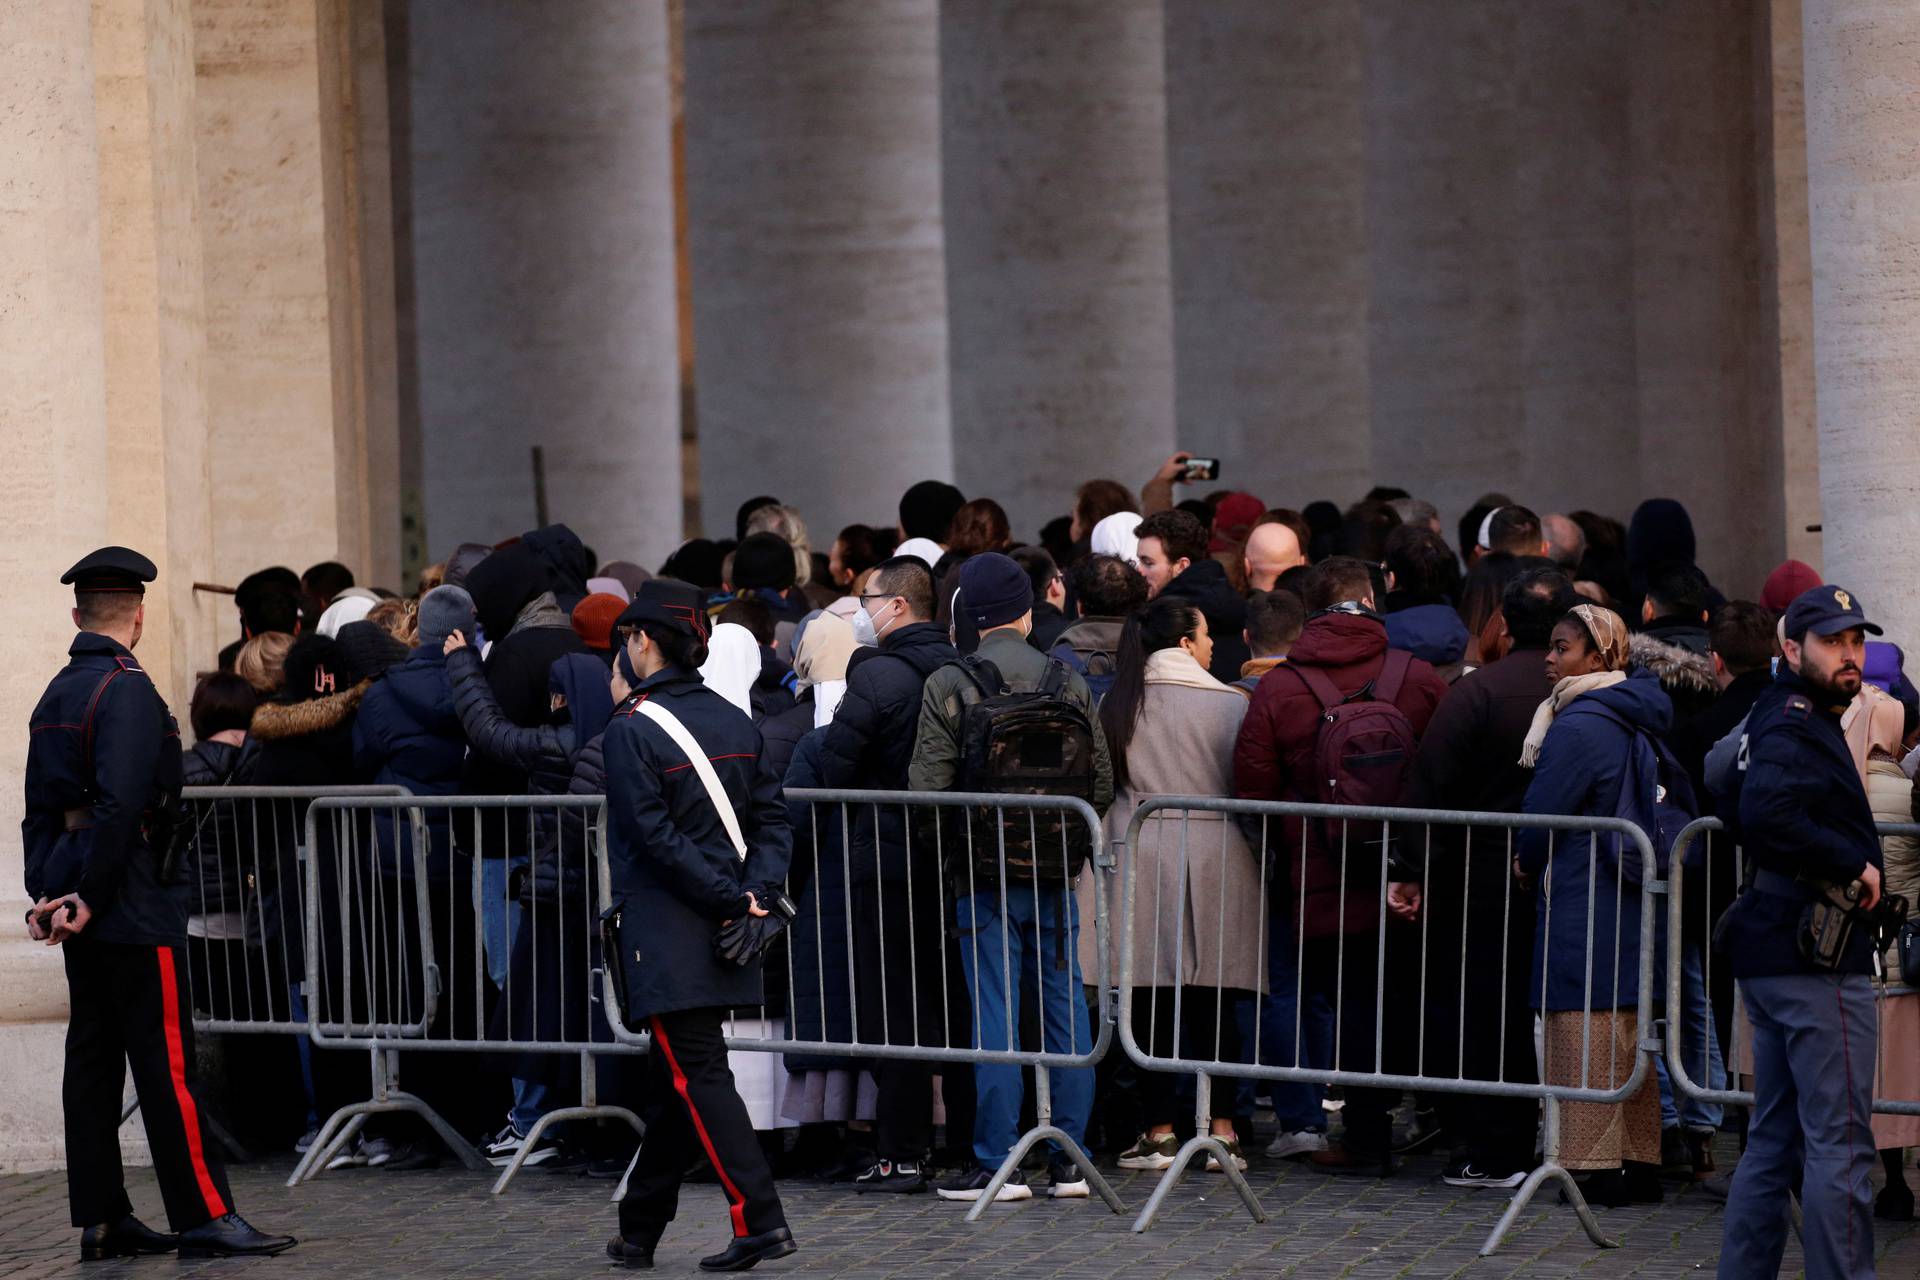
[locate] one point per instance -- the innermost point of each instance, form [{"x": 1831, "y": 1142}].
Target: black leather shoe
[
  {"x": 127, "y": 1238},
  {"x": 231, "y": 1237},
  {"x": 745, "y": 1251},
  {"x": 629, "y": 1254}
]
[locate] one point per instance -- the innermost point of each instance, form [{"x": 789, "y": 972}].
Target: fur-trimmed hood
[
  {"x": 1679, "y": 669},
  {"x": 276, "y": 720}
]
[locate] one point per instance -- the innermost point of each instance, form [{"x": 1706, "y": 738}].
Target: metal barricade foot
[
  {"x": 1201, "y": 1144},
  {"x": 1069, "y": 1148},
  {"x": 540, "y": 1126},
  {"x": 1534, "y": 1182},
  {"x": 339, "y": 1130},
  {"x": 357, "y": 1114}
]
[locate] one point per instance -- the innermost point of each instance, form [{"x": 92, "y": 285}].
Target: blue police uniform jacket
[
  {"x": 675, "y": 875},
  {"x": 104, "y": 747},
  {"x": 1802, "y": 811}
]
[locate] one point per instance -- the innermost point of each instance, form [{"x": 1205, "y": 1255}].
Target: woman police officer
[{"x": 697, "y": 848}]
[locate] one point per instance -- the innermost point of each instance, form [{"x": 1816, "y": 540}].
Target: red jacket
[{"x": 1276, "y": 743}]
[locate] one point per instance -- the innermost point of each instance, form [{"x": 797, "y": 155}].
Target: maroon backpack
[{"x": 1364, "y": 745}]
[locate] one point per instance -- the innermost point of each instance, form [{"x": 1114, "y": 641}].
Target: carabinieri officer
[
  {"x": 1804, "y": 821},
  {"x": 697, "y": 849},
  {"x": 103, "y": 784}
]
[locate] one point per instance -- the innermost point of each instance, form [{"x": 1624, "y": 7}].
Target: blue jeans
[
  {"x": 1029, "y": 947},
  {"x": 499, "y": 917},
  {"x": 1814, "y": 1047},
  {"x": 1699, "y": 1040},
  {"x": 1295, "y": 1105},
  {"x": 529, "y": 1104}
]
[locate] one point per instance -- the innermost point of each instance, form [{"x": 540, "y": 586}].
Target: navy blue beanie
[{"x": 994, "y": 590}]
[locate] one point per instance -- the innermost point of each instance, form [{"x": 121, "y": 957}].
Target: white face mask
[{"x": 864, "y": 631}]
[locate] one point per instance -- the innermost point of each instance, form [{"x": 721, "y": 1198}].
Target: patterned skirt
[{"x": 1601, "y": 1135}]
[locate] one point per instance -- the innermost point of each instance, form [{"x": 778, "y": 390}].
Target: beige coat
[
  {"x": 1204, "y": 927},
  {"x": 1891, "y": 796}
]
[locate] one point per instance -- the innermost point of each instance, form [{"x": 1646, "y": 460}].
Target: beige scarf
[
  {"x": 1566, "y": 691},
  {"x": 1176, "y": 666}
]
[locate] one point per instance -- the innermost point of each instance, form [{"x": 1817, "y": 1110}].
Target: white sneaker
[
  {"x": 352, "y": 1156},
  {"x": 970, "y": 1186},
  {"x": 304, "y": 1143},
  {"x": 377, "y": 1151},
  {"x": 1303, "y": 1142},
  {"x": 1066, "y": 1181},
  {"x": 1233, "y": 1153},
  {"x": 507, "y": 1143}
]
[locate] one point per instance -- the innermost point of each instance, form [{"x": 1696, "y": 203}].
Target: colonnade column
[
  {"x": 1266, "y": 176},
  {"x": 1863, "y": 173},
  {"x": 542, "y": 198},
  {"x": 1060, "y": 310},
  {"x": 819, "y": 289}
]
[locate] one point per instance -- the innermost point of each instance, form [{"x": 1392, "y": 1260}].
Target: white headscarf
[
  {"x": 342, "y": 611},
  {"x": 926, "y": 548},
  {"x": 1114, "y": 536},
  {"x": 732, "y": 665},
  {"x": 608, "y": 586}
]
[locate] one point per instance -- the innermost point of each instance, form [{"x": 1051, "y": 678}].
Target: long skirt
[{"x": 1601, "y": 1135}]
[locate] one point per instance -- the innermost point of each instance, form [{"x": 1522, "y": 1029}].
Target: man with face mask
[
  {"x": 1804, "y": 821},
  {"x": 868, "y": 745}
]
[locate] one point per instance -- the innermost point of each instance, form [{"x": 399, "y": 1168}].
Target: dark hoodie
[
  {"x": 870, "y": 742},
  {"x": 1590, "y": 760},
  {"x": 564, "y": 557},
  {"x": 1432, "y": 632},
  {"x": 517, "y": 667}
]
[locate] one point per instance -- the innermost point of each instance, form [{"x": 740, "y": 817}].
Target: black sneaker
[
  {"x": 905, "y": 1177},
  {"x": 1066, "y": 1180},
  {"x": 1466, "y": 1173},
  {"x": 972, "y": 1186}
]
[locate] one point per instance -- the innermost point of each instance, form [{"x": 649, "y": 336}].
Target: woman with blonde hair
[
  {"x": 262, "y": 662},
  {"x": 1589, "y": 753}
]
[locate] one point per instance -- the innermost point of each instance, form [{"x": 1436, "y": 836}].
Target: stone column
[
  {"x": 100, "y": 262},
  {"x": 1863, "y": 172},
  {"x": 543, "y": 269},
  {"x": 1708, "y": 435},
  {"x": 819, "y": 294},
  {"x": 1053, "y": 130},
  {"x": 1266, "y": 176},
  {"x": 287, "y": 288}
]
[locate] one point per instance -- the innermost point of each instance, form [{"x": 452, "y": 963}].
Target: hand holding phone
[{"x": 1201, "y": 469}]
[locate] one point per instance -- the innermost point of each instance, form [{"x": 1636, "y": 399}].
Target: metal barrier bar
[
  {"x": 1616, "y": 861},
  {"x": 436, "y": 910},
  {"x": 1701, "y": 835},
  {"x": 990, "y": 854}
]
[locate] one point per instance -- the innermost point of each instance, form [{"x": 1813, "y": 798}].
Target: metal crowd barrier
[
  {"x": 1426, "y": 845},
  {"x": 456, "y": 924},
  {"x": 1718, "y": 861},
  {"x": 957, "y": 847}
]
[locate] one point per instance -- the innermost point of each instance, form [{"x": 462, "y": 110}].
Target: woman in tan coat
[{"x": 1198, "y": 905}]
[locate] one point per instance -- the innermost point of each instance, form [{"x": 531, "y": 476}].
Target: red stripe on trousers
[
  {"x": 177, "y": 1070},
  {"x": 737, "y": 1204}
]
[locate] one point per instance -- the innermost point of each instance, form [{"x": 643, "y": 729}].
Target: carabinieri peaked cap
[{"x": 111, "y": 569}]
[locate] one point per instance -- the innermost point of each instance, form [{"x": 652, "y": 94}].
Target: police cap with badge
[{"x": 1826, "y": 611}]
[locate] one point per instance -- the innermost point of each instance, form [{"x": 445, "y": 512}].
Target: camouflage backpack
[{"x": 1023, "y": 743}]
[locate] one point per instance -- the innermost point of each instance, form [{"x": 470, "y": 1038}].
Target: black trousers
[
  {"x": 692, "y": 1106},
  {"x": 1194, "y": 1033},
  {"x": 1346, "y": 973},
  {"x": 131, "y": 1005},
  {"x": 1482, "y": 1030},
  {"x": 901, "y": 942}
]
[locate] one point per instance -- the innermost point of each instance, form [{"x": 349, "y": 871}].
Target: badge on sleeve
[{"x": 1797, "y": 708}]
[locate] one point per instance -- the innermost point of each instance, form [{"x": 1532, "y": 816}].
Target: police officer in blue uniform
[
  {"x": 102, "y": 791},
  {"x": 1802, "y": 960},
  {"x": 697, "y": 850}
]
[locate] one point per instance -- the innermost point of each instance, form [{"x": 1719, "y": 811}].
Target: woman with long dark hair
[{"x": 1198, "y": 905}]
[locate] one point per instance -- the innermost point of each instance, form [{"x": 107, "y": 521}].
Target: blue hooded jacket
[
  {"x": 1588, "y": 757},
  {"x": 1431, "y": 632}
]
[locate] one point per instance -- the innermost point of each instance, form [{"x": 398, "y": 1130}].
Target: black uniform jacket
[
  {"x": 675, "y": 874},
  {"x": 1802, "y": 812},
  {"x": 102, "y": 758}
]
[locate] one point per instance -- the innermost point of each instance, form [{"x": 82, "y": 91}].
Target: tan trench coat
[{"x": 1201, "y": 920}]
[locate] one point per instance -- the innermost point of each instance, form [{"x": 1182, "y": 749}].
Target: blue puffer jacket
[
  {"x": 408, "y": 734},
  {"x": 1587, "y": 758}
]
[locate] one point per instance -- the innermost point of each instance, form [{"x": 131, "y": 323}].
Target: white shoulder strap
[{"x": 702, "y": 767}]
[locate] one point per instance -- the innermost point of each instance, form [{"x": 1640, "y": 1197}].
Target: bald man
[
  {"x": 1566, "y": 541},
  {"x": 1272, "y": 549}
]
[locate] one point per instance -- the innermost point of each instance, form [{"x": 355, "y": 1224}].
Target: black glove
[{"x": 744, "y": 940}]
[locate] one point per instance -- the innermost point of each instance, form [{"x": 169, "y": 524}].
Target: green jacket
[{"x": 936, "y": 747}]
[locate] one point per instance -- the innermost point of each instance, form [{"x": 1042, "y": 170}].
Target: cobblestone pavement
[{"x": 443, "y": 1223}]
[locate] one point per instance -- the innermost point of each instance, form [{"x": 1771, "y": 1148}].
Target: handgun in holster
[{"x": 1827, "y": 923}]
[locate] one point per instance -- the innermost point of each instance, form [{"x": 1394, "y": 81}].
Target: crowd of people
[{"x": 1529, "y": 663}]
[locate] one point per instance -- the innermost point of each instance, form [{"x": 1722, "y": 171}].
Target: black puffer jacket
[{"x": 870, "y": 742}]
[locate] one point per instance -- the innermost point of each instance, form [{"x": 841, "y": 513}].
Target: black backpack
[{"x": 1033, "y": 742}]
